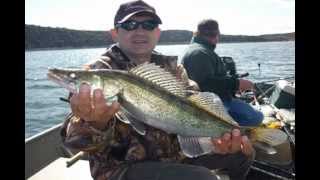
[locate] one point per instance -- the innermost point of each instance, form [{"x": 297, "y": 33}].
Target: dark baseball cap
[{"x": 127, "y": 10}]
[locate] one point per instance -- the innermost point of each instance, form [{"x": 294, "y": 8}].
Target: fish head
[{"x": 72, "y": 78}]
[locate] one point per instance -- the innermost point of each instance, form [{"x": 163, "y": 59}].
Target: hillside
[{"x": 47, "y": 37}]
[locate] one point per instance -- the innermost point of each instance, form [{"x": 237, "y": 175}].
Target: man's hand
[
  {"x": 92, "y": 109},
  {"x": 245, "y": 85},
  {"x": 232, "y": 143}
]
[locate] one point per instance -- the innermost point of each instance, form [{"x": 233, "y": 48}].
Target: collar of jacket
[
  {"x": 202, "y": 41},
  {"x": 116, "y": 49},
  {"x": 123, "y": 62}
]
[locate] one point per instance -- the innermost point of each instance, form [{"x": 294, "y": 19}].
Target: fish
[{"x": 150, "y": 95}]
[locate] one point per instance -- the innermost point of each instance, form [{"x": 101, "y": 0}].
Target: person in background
[
  {"x": 129, "y": 155},
  {"x": 209, "y": 71}
]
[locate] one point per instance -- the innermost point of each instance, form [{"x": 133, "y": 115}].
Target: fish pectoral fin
[
  {"x": 124, "y": 116},
  {"x": 195, "y": 146},
  {"x": 115, "y": 97},
  {"x": 268, "y": 149},
  {"x": 138, "y": 127}
]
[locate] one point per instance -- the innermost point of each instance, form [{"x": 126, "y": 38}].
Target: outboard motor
[{"x": 230, "y": 66}]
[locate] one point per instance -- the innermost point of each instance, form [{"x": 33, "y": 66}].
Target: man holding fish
[{"x": 120, "y": 146}]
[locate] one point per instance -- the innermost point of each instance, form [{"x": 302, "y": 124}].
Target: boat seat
[{"x": 57, "y": 170}]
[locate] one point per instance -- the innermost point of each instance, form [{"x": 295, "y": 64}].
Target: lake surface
[{"x": 44, "y": 109}]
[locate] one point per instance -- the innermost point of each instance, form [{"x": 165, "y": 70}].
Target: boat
[
  {"x": 277, "y": 102},
  {"x": 47, "y": 158}
]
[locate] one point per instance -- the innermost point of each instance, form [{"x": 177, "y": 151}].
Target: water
[{"x": 44, "y": 109}]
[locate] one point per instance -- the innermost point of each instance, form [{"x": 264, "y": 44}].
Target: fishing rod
[
  {"x": 281, "y": 173},
  {"x": 64, "y": 99},
  {"x": 290, "y": 77},
  {"x": 264, "y": 93},
  {"x": 75, "y": 158}
]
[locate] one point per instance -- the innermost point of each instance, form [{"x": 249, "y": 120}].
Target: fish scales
[{"x": 164, "y": 110}]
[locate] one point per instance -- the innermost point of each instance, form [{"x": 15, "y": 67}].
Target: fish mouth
[{"x": 62, "y": 81}]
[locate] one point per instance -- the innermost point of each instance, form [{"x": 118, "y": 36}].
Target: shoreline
[{"x": 106, "y": 46}]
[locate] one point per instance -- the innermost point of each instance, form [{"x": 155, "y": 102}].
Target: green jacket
[{"x": 205, "y": 67}]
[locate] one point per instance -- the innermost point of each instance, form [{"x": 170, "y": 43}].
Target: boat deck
[{"x": 58, "y": 170}]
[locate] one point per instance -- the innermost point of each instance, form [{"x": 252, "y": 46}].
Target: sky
[{"x": 235, "y": 17}]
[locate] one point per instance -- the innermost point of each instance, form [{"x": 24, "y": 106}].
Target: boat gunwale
[{"x": 42, "y": 133}]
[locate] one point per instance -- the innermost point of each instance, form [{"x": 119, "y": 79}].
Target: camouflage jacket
[{"x": 126, "y": 145}]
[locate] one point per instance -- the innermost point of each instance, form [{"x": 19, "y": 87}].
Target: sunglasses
[{"x": 131, "y": 25}]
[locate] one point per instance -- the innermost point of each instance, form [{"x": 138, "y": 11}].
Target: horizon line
[{"x": 161, "y": 30}]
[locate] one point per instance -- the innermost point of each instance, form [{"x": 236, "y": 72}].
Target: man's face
[
  {"x": 216, "y": 39},
  {"x": 139, "y": 41}
]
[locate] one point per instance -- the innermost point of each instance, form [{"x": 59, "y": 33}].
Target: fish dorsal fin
[
  {"x": 213, "y": 104},
  {"x": 158, "y": 76}
]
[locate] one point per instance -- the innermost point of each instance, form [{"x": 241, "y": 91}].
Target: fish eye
[{"x": 72, "y": 75}]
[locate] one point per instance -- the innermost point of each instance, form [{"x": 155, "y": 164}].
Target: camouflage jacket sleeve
[{"x": 79, "y": 134}]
